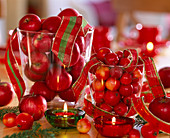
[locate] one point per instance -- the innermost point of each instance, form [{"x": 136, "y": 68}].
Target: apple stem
[{"x": 60, "y": 9}]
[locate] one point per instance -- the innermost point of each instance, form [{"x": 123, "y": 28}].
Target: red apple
[
  {"x": 68, "y": 12},
  {"x": 112, "y": 98},
  {"x": 6, "y": 93},
  {"x": 120, "y": 109},
  {"x": 164, "y": 74},
  {"x": 119, "y": 53},
  {"x": 126, "y": 90},
  {"x": 67, "y": 95},
  {"x": 32, "y": 75},
  {"x": 124, "y": 61},
  {"x": 34, "y": 105},
  {"x": 75, "y": 55},
  {"x": 42, "y": 41},
  {"x": 81, "y": 43},
  {"x": 160, "y": 107},
  {"x": 40, "y": 88},
  {"x": 39, "y": 62},
  {"x": 30, "y": 22},
  {"x": 83, "y": 126},
  {"x": 102, "y": 73},
  {"x": 102, "y": 53},
  {"x": 98, "y": 96},
  {"x": 26, "y": 45},
  {"x": 58, "y": 79},
  {"x": 51, "y": 24},
  {"x": 77, "y": 68},
  {"x": 98, "y": 85},
  {"x": 137, "y": 75},
  {"x": 126, "y": 78},
  {"x": 111, "y": 59},
  {"x": 116, "y": 72},
  {"x": 112, "y": 84}
]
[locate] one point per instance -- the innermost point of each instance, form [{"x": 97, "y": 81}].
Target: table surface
[{"x": 67, "y": 133}]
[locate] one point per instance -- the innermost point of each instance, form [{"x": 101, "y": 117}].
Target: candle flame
[
  {"x": 65, "y": 107},
  {"x": 149, "y": 46},
  {"x": 102, "y": 82},
  {"x": 113, "y": 120}
]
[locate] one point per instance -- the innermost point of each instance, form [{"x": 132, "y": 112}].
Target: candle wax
[{"x": 64, "y": 114}]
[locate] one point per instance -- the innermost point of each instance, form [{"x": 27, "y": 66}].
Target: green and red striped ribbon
[
  {"x": 13, "y": 71},
  {"x": 79, "y": 85},
  {"x": 66, "y": 35},
  {"x": 153, "y": 78}
]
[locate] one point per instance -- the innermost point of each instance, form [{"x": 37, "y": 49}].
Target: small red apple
[
  {"x": 120, "y": 109},
  {"x": 40, "y": 88},
  {"x": 39, "y": 62},
  {"x": 98, "y": 96},
  {"x": 77, "y": 68},
  {"x": 81, "y": 43},
  {"x": 98, "y": 85},
  {"x": 116, "y": 72},
  {"x": 51, "y": 24},
  {"x": 75, "y": 55},
  {"x": 42, "y": 41},
  {"x": 102, "y": 52},
  {"x": 111, "y": 59},
  {"x": 25, "y": 47},
  {"x": 112, "y": 98},
  {"x": 32, "y": 75},
  {"x": 126, "y": 90},
  {"x": 83, "y": 126},
  {"x": 102, "y": 73},
  {"x": 126, "y": 78},
  {"x": 30, "y": 22},
  {"x": 6, "y": 93},
  {"x": 68, "y": 12},
  {"x": 137, "y": 75},
  {"x": 34, "y": 105},
  {"x": 67, "y": 95},
  {"x": 112, "y": 84},
  {"x": 164, "y": 74},
  {"x": 58, "y": 79}
]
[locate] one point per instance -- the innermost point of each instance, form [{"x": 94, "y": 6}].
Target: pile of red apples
[{"x": 41, "y": 65}]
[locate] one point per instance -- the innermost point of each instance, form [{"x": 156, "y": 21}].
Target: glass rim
[{"x": 27, "y": 31}]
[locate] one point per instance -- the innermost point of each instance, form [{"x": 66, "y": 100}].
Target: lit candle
[
  {"x": 65, "y": 113},
  {"x": 150, "y": 46},
  {"x": 113, "y": 126},
  {"x": 64, "y": 118}
]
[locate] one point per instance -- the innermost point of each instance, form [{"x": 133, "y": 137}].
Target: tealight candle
[
  {"x": 113, "y": 126},
  {"x": 64, "y": 118}
]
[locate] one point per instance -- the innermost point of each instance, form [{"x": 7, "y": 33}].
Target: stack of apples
[
  {"x": 41, "y": 65},
  {"x": 116, "y": 81}
]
